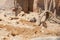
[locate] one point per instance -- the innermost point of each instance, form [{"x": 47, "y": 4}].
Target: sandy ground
[{"x": 22, "y": 29}]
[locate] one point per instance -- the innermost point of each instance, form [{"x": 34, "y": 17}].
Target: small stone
[{"x": 33, "y": 20}]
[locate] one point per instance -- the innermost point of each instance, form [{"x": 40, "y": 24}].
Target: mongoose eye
[
  {"x": 23, "y": 14},
  {"x": 5, "y": 15},
  {"x": 0, "y": 19}
]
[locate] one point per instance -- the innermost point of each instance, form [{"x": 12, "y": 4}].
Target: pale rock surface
[{"x": 6, "y": 4}]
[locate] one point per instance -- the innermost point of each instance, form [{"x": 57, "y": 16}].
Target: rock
[{"x": 6, "y": 4}]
